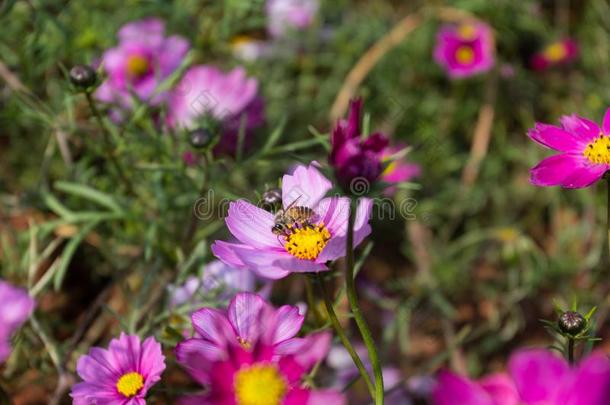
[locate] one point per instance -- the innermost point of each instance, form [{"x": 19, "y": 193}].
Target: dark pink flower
[
  {"x": 584, "y": 152},
  {"x": 250, "y": 355},
  {"x": 555, "y": 54},
  {"x": 120, "y": 375},
  {"x": 16, "y": 308},
  {"x": 231, "y": 99},
  {"x": 535, "y": 377},
  {"x": 465, "y": 50},
  {"x": 397, "y": 169},
  {"x": 353, "y": 158},
  {"x": 141, "y": 61}
]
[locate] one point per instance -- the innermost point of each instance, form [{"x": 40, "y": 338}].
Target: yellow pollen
[
  {"x": 389, "y": 168},
  {"x": 129, "y": 384},
  {"x": 555, "y": 52},
  {"x": 259, "y": 385},
  {"x": 467, "y": 32},
  {"x": 137, "y": 66},
  {"x": 598, "y": 151},
  {"x": 307, "y": 242},
  {"x": 464, "y": 55},
  {"x": 244, "y": 343}
]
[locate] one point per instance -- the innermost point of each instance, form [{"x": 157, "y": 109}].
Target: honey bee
[{"x": 292, "y": 216}]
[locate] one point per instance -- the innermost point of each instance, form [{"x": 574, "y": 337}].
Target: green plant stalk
[
  {"x": 108, "y": 142},
  {"x": 571, "y": 351},
  {"x": 343, "y": 337},
  {"x": 352, "y": 297}
]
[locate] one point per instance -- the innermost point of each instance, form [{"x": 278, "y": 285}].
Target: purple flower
[
  {"x": 121, "y": 375},
  {"x": 535, "y": 377},
  {"x": 465, "y": 50},
  {"x": 249, "y": 355},
  {"x": 354, "y": 159},
  {"x": 143, "y": 59},
  {"x": 286, "y": 15},
  {"x": 584, "y": 152},
  {"x": 16, "y": 308},
  {"x": 228, "y": 98},
  {"x": 555, "y": 54},
  {"x": 217, "y": 275},
  {"x": 305, "y": 248}
]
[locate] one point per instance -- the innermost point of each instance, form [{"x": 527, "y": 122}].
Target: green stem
[
  {"x": 571, "y": 351},
  {"x": 343, "y": 337},
  {"x": 352, "y": 296},
  {"x": 107, "y": 142}
]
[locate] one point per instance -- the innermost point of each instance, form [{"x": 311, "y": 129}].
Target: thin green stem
[
  {"x": 107, "y": 142},
  {"x": 352, "y": 296},
  {"x": 343, "y": 337},
  {"x": 571, "y": 351}
]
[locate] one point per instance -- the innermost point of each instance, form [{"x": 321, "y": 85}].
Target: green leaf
[{"x": 90, "y": 194}]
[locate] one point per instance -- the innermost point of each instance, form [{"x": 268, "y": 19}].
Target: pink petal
[
  {"x": 501, "y": 388},
  {"x": 537, "y": 374},
  {"x": 584, "y": 176},
  {"x": 606, "y": 122},
  {"x": 271, "y": 264},
  {"x": 152, "y": 361},
  {"x": 553, "y": 170},
  {"x": 251, "y": 225},
  {"x": 452, "y": 389},
  {"x": 213, "y": 325},
  {"x": 289, "y": 323},
  {"x": 556, "y": 138},
  {"x": 226, "y": 253},
  {"x": 326, "y": 397},
  {"x": 307, "y": 184},
  {"x": 580, "y": 127},
  {"x": 244, "y": 314},
  {"x": 589, "y": 385}
]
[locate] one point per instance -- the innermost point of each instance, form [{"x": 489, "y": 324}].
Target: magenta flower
[
  {"x": 555, "y": 54},
  {"x": 121, "y": 375},
  {"x": 304, "y": 249},
  {"x": 535, "y": 377},
  {"x": 249, "y": 355},
  {"x": 584, "y": 152},
  {"x": 16, "y": 308},
  {"x": 398, "y": 170},
  {"x": 142, "y": 60},
  {"x": 230, "y": 99},
  {"x": 465, "y": 50},
  {"x": 356, "y": 160},
  {"x": 286, "y": 15},
  {"x": 217, "y": 276}
]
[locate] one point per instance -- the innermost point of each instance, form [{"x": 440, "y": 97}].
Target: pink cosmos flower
[
  {"x": 141, "y": 61},
  {"x": 16, "y": 308},
  {"x": 230, "y": 99},
  {"x": 535, "y": 377},
  {"x": 555, "y": 54},
  {"x": 216, "y": 276},
  {"x": 465, "y": 50},
  {"x": 305, "y": 248},
  {"x": 249, "y": 355},
  {"x": 353, "y": 158},
  {"x": 121, "y": 375},
  {"x": 286, "y": 15},
  {"x": 398, "y": 170},
  {"x": 584, "y": 152}
]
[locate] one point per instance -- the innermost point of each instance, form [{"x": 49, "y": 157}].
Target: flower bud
[
  {"x": 572, "y": 322},
  {"x": 200, "y": 138},
  {"x": 83, "y": 76},
  {"x": 272, "y": 199}
]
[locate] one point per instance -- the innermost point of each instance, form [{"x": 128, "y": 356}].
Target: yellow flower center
[
  {"x": 555, "y": 52},
  {"x": 307, "y": 242},
  {"x": 259, "y": 385},
  {"x": 467, "y": 32},
  {"x": 137, "y": 66},
  {"x": 598, "y": 151},
  {"x": 464, "y": 54},
  {"x": 129, "y": 384}
]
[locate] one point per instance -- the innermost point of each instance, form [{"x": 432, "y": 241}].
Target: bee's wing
[{"x": 292, "y": 203}]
